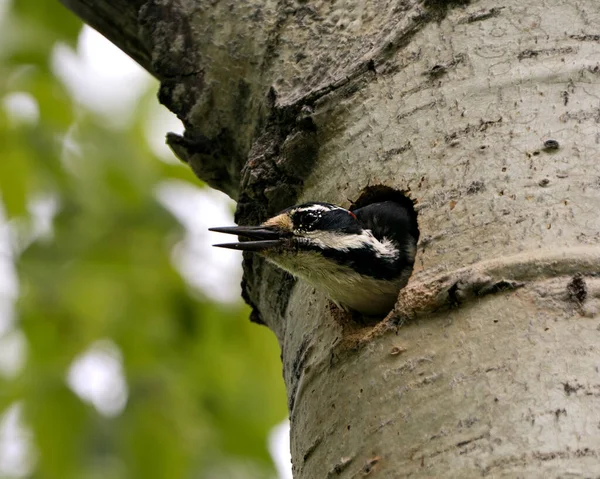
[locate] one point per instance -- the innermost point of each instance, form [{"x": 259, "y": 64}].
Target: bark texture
[{"x": 486, "y": 115}]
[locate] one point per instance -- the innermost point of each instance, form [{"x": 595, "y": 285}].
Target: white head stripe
[
  {"x": 318, "y": 208},
  {"x": 344, "y": 242}
]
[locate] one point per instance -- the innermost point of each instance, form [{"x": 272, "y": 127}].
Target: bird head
[
  {"x": 306, "y": 227},
  {"x": 359, "y": 259}
]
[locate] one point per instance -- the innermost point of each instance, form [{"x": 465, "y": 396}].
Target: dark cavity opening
[{"x": 379, "y": 193}]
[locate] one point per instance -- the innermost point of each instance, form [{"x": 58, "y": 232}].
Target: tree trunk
[{"x": 486, "y": 116}]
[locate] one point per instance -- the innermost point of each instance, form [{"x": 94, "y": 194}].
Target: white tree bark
[{"x": 486, "y": 115}]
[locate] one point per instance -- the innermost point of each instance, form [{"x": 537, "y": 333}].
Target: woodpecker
[{"x": 360, "y": 259}]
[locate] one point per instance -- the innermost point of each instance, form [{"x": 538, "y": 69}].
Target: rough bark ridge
[{"x": 487, "y": 116}]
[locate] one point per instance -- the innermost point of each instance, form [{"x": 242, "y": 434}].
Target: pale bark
[{"x": 487, "y": 115}]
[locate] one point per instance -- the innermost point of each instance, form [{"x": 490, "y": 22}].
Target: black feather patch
[
  {"x": 390, "y": 220},
  {"x": 323, "y": 217}
]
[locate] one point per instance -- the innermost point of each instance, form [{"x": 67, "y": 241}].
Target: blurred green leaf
[
  {"x": 14, "y": 175},
  {"x": 58, "y": 418},
  {"x": 31, "y": 29},
  {"x": 49, "y": 18}
]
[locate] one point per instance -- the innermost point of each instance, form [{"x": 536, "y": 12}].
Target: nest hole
[{"x": 380, "y": 193}]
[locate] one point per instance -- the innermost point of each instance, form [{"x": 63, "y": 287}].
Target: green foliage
[{"x": 204, "y": 383}]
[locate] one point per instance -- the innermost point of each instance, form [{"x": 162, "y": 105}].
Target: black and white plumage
[{"x": 360, "y": 259}]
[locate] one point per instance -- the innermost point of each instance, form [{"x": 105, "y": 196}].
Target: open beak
[{"x": 264, "y": 237}]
